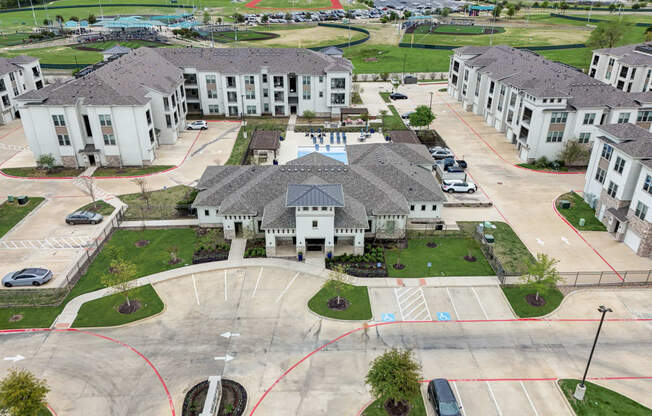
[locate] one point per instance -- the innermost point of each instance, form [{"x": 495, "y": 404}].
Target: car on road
[
  {"x": 27, "y": 277},
  {"x": 83, "y": 217},
  {"x": 398, "y": 96},
  {"x": 197, "y": 125},
  {"x": 406, "y": 116},
  {"x": 458, "y": 185},
  {"x": 442, "y": 398},
  {"x": 439, "y": 153}
]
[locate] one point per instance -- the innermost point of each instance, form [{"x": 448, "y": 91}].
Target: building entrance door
[
  {"x": 315, "y": 244},
  {"x": 238, "y": 229},
  {"x": 91, "y": 160}
]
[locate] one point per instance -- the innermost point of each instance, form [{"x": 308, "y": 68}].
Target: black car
[
  {"x": 398, "y": 96},
  {"x": 442, "y": 398}
]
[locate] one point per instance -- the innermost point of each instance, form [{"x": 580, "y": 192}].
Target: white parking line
[
  {"x": 287, "y": 287},
  {"x": 479, "y": 303},
  {"x": 453, "y": 304},
  {"x": 529, "y": 399},
  {"x": 257, "y": 281},
  {"x": 459, "y": 398},
  {"x": 491, "y": 392},
  {"x": 194, "y": 285},
  {"x": 225, "y": 290}
]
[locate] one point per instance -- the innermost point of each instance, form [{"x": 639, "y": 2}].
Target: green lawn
[
  {"x": 152, "y": 258},
  {"x": 476, "y": 30},
  {"x": 162, "y": 203},
  {"x": 241, "y": 144},
  {"x": 133, "y": 44},
  {"x": 377, "y": 408},
  {"x": 513, "y": 36},
  {"x": 385, "y": 96},
  {"x": 508, "y": 248},
  {"x": 11, "y": 213},
  {"x": 33, "y": 172},
  {"x": 600, "y": 401},
  {"x": 376, "y": 59},
  {"x": 131, "y": 171},
  {"x": 447, "y": 258},
  {"x": 579, "y": 209},
  {"x": 393, "y": 120},
  {"x": 99, "y": 207},
  {"x": 11, "y": 39},
  {"x": 516, "y": 296},
  {"x": 578, "y": 57},
  {"x": 104, "y": 311},
  {"x": 357, "y": 296}
]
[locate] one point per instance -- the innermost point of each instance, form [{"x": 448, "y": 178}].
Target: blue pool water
[{"x": 336, "y": 152}]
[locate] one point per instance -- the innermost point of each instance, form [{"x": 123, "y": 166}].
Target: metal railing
[{"x": 586, "y": 279}]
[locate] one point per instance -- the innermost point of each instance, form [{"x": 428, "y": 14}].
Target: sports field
[
  {"x": 471, "y": 30},
  {"x": 307, "y": 36}
]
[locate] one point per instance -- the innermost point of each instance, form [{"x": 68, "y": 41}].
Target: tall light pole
[
  {"x": 581, "y": 388},
  {"x": 431, "y": 93}
]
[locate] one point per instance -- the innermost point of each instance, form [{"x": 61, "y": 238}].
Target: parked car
[
  {"x": 27, "y": 277},
  {"x": 440, "y": 153},
  {"x": 442, "y": 398},
  {"x": 406, "y": 116},
  {"x": 453, "y": 169},
  {"x": 457, "y": 185},
  {"x": 198, "y": 125},
  {"x": 83, "y": 217},
  {"x": 398, "y": 96},
  {"x": 462, "y": 163}
]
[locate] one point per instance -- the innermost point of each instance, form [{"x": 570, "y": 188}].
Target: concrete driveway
[{"x": 485, "y": 355}]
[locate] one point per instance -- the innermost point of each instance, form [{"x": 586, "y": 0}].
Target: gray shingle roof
[
  {"x": 309, "y": 195},
  {"x": 634, "y": 55},
  {"x": 265, "y": 140},
  {"x": 386, "y": 153},
  {"x": 117, "y": 50},
  {"x": 8, "y": 65},
  {"x": 315, "y": 159},
  {"x": 630, "y": 139},
  {"x": 252, "y": 60}
]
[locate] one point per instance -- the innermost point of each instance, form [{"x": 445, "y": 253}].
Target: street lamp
[
  {"x": 431, "y": 93},
  {"x": 580, "y": 389}
]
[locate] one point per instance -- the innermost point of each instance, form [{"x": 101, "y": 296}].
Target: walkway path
[
  {"x": 292, "y": 122},
  {"x": 237, "y": 250}
]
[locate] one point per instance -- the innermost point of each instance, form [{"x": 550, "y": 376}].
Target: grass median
[
  {"x": 601, "y": 401},
  {"x": 377, "y": 408},
  {"x": 516, "y": 297},
  {"x": 34, "y": 172},
  {"x": 358, "y": 297},
  {"x": 579, "y": 209},
  {"x": 131, "y": 171},
  {"x": 11, "y": 213},
  {"x": 99, "y": 207}
]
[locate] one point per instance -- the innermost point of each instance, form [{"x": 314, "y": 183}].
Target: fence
[
  {"x": 347, "y": 44},
  {"x": 590, "y": 20},
  {"x": 586, "y": 279},
  {"x": 26, "y": 9},
  {"x": 54, "y": 296},
  {"x": 531, "y": 48}
]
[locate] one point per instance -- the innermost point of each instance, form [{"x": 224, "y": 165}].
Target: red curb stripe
[
  {"x": 554, "y": 206},
  {"x": 160, "y": 378},
  {"x": 51, "y": 409},
  {"x": 541, "y": 379},
  {"x": 9, "y": 132},
  {"x": 365, "y": 407}
]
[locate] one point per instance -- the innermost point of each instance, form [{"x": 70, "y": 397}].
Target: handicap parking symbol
[
  {"x": 388, "y": 317},
  {"x": 443, "y": 316}
]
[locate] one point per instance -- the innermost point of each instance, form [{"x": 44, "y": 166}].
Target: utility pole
[
  {"x": 431, "y": 93},
  {"x": 33, "y": 14},
  {"x": 580, "y": 390}
]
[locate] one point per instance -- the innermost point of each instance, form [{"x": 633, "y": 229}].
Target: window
[
  {"x": 647, "y": 185},
  {"x": 641, "y": 210},
  {"x": 620, "y": 164},
  {"x": 109, "y": 139},
  {"x": 232, "y": 97},
  {"x": 337, "y": 98},
  {"x": 321, "y": 94},
  {"x": 212, "y": 93},
  {"x": 211, "y": 79},
  {"x": 315, "y": 208},
  {"x": 554, "y": 136},
  {"x": 338, "y": 83},
  {"x": 230, "y": 82},
  {"x": 644, "y": 116},
  {"x": 558, "y": 117},
  {"x": 623, "y": 71},
  {"x": 105, "y": 120},
  {"x": 491, "y": 87},
  {"x": 306, "y": 87},
  {"x": 434, "y": 207},
  {"x": 58, "y": 120},
  {"x": 510, "y": 116},
  {"x": 265, "y": 108},
  {"x": 265, "y": 92},
  {"x": 279, "y": 96},
  {"x": 250, "y": 88},
  {"x": 148, "y": 116},
  {"x": 251, "y": 109},
  {"x": 623, "y": 118},
  {"x": 600, "y": 174},
  {"x": 315, "y": 224},
  {"x": 12, "y": 76},
  {"x": 612, "y": 190},
  {"x": 423, "y": 207},
  {"x": 64, "y": 140},
  {"x": 321, "y": 79},
  {"x": 278, "y": 81},
  {"x": 596, "y": 58},
  {"x": 207, "y": 212},
  {"x": 584, "y": 137},
  {"x": 166, "y": 103},
  {"x": 168, "y": 120},
  {"x": 527, "y": 115},
  {"x": 264, "y": 77},
  {"x": 411, "y": 207},
  {"x": 589, "y": 118},
  {"x": 324, "y": 208},
  {"x": 477, "y": 85},
  {"x": 213, "y": 108},
  {"x": 512, "y": 99},
  {"x": 607, "y": 151}
]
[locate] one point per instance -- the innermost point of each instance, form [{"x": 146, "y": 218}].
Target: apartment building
[
  {"x": 17, "y": 76},
  {"x": 116, "y": 115},
  {"x": 628, "y": 68},
  {"x": 537, "y": 103},
  {"x": 316, "y": 203},
  {"x": 619, "y": 184},
  {"x": 262, "y": 81}
]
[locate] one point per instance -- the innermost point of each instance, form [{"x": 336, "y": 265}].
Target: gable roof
[
  {"x": 15, "y": 63},
  {"x": 315, "y": 159},
  {"x": 117, "y": 50},
  {"x": 630, "y": 139},
  {"x": 265, "y": 140},
  {"x": 306, "y": 195}
]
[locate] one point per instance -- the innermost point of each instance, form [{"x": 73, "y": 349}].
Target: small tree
[
  {"x": 572, "y": 152},
  {"x": 337, "y": 279},
  {"x": 423, "y": 116},
  {"x": 206, "y": 17},
  {"x": 22, "y": 394},
  {"x": 91, "y": 19},
  {"x": 563, "y": 6},
  {"x": 445, "y": 12},
  {"x": 511, "y": 11},
  {"x": 142, "y": 186},
  {"x": 309, "y": 115},
  {"x": 47, "y": 22},
  {"x": 648, "y": 34},
  {"x": 88, "y": 186},
  {"x": 46, "y": 161},
  {"x": 74, "y": 19},
  {"x": 219, "y": 20},
  {"x": 264, "y": 19},
  {"x": 174, "y": 254},
  {"x": 383, "y": 114},
  {"x": 384, "y": 76},
  {"x": 606, "y": 35},
  {"x": 395, "y": 376},
  {"x": 496, "y": 11},
  {"x": 120, "y": 276},
  {"x": 541, "y": 274},
  {"x": 59, "y": 20}
]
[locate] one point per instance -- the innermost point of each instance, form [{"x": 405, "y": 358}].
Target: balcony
[{"x": 190, "y": 79}]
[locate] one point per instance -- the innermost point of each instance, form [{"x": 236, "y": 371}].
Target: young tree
[
  {"x": 612, "y": 8},
  {"x": 563, "y": 6},
  {"x": 88, "y": 186},
  {"x": 46, "y": 161},
  {"x": 572, "y": 152},
  {"x": 207, "y": 17},
  {"x": 422, "y": 117},
  {"x": 120, "y": 276},
  {"x": 383, "y": 114},
  {"x": 395, "y": 376},
  {"x": 59, "y": 20},
  {"x": 511, "y": 11},
  {"x": 264, "y": 19},
  {"x": 648, "y": 34},
  {"x": 22, "y": 394},
  {"x": 309, "y": 115},
  {"x": 337, "y": 279},
  {"x": 541, "y": 274},
  {"x": 174, "y": 254},
  {"x": 445, "y": 12},
  {"x": 91, "y": 19},
  {"x": 219, "y": 20},
  {"x": 496, "y": 11},
  {"x": 47, "y": 22},
  {"x": 142, "y": 186},
  {"x": 384, "y": 76},
  {"x": 606, "y": 35},
  {"x": 74, "y": 18}
]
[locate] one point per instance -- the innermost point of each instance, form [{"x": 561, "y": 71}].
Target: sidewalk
[
  {"x": 70, "y": 311},
  {"x": 237, "y": 250},
  {"x": 160, "y": 223}
]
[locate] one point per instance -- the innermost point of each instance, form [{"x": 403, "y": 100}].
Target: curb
[{"x": 563, "y": 397}]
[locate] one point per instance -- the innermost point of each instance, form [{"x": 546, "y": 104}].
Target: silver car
[
  {"x": 27, "y": 277},
  {"x": 83, "y": 217}
]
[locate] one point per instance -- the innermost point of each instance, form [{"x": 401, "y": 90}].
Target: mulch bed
[
  {"x": 398, "y": 266},
  {"x": 335, "y": 306},
  {"x": 16, "y": 318},
  {"x": 175, "y": 261},
  {"x": 370, "y": 59},
  {"x": 130, "y": 308},
  {"x": 531, "y": 299},
  {"x": 141, "y": 243},
  {"x": 234, "y": 394},
  {"x": 431, "y": 244},
  {"x": 470, "y": 259},
  {"x": 402, "y": 408}
]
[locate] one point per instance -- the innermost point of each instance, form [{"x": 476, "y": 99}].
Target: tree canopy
[
  {"x": 606, "y": 35},
  {"x": 22, "y": 394},
  {"x": 394, "y": 376}
]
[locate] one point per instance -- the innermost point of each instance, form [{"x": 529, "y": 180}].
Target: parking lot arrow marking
[
  {"x": 229, "y": 334},
  {"x": 18, "y": 357},
  {"x": 226, "y": 358},
  {"x": 565, "y": 240},
  {"x": 540, "y": 241}
]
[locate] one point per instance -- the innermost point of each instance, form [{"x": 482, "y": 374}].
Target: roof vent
[{"x": 282, "y": 169}]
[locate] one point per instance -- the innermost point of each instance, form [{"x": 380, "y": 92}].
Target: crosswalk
[
  {"x": 13, "y": 147},
  {"x": 412, "y": 304},
  {"x": 100, "y": 194},
  {"x": 56, "y": 243}
]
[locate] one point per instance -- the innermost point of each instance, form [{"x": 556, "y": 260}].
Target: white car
[
  {"x": 457, "y": 185},
  {"x": 198, "y": 125},
  {"x": 440, "y": 152}
]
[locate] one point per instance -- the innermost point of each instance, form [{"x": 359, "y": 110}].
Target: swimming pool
[{"x": 336, "y": 152}]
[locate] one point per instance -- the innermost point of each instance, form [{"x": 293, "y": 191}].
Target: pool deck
[{"x": 293, "y": 140}]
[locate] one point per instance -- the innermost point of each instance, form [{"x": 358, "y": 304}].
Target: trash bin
[
  {"x": 489, "y": 238},
  {"x": 564, "y": 204},
  {"x": 22, "y": 200},
  {"x": 10, "y": 198},
  {"x": 582, "y": 222}
]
